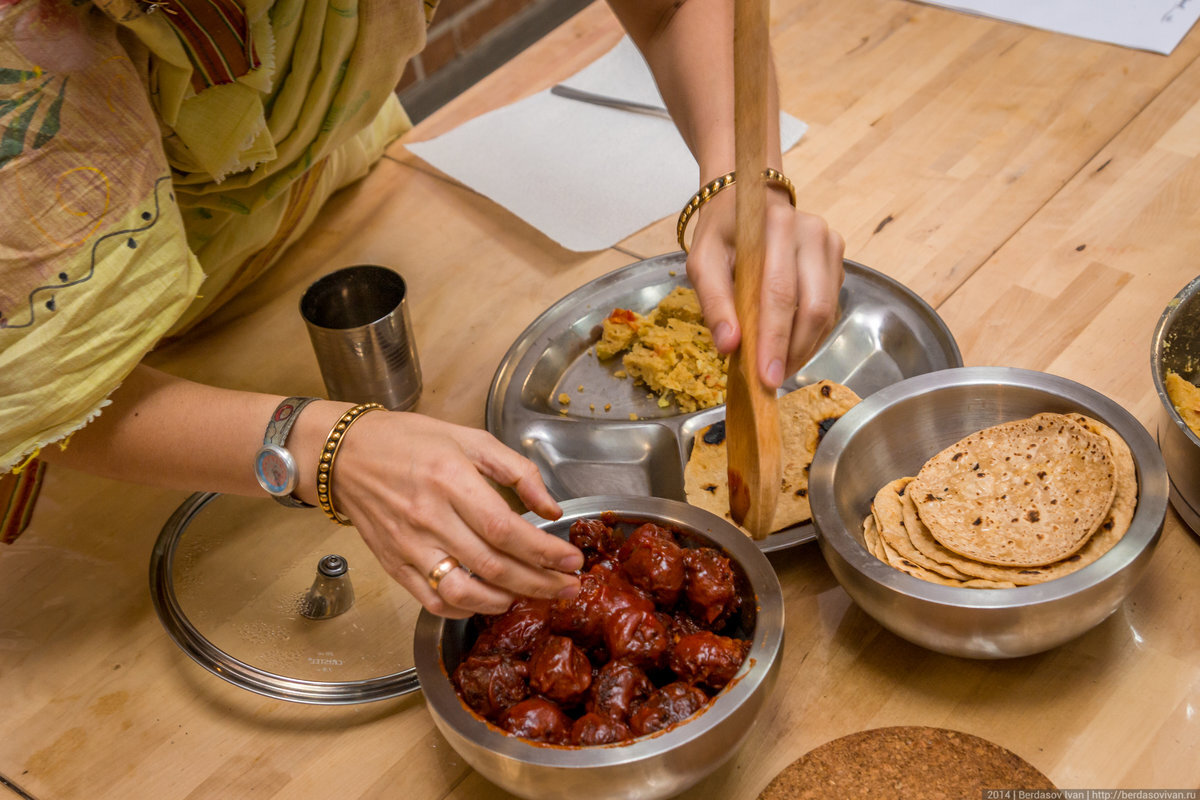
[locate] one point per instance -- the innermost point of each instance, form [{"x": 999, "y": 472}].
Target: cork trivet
[{"x": 904, "y": 763}]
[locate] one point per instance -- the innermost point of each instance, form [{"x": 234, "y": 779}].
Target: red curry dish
[{"x": 649, "y": 640}]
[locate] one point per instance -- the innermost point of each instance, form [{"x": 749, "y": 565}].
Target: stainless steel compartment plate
[{"x": 612, "y": 437}]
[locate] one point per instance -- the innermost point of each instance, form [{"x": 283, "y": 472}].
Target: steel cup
[{"x": 361, "y": 332}]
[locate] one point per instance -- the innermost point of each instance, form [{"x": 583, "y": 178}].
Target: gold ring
[{"x": 441, "y": 569}]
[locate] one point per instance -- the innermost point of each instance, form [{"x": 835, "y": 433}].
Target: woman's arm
[
  {"x": 689, "y": 46},
  {"x": 122, "y": 274},
  {"x": 416, "y": 488}
]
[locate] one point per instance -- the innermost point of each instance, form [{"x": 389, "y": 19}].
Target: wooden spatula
[{"x": 751, "y": 412}]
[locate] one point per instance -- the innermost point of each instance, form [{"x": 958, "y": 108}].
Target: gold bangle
[
  {"x": 325, "y": 465},
  {"x": 709, "y": 190}
]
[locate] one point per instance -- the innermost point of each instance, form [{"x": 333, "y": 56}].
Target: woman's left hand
[{"x": 802, "y": 277}]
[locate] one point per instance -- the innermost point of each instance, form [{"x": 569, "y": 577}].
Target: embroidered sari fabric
[{"x": 155, "y": 157}]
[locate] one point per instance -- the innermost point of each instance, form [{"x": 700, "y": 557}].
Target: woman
[{"x": 163, "y": 154}]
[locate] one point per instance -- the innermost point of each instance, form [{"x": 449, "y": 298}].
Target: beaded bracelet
[
  {"x": 325, "y": 466},
  {"x": 709, "y": 190}
]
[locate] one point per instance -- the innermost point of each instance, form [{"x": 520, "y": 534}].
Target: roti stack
[
  {"x": 804, "y": 416},
  {"x": 1012, "y": 505}
]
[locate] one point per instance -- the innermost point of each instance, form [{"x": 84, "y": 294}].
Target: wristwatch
[{"x": 274, "y": 466}]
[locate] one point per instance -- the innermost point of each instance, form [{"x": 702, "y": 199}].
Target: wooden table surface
[{"x": 1042, "y": 192}]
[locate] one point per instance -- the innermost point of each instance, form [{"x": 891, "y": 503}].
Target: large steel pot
[{"x": 1176, "y": 346}]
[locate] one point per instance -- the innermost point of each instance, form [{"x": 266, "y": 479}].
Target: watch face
[{"x": 275, "y": 469}]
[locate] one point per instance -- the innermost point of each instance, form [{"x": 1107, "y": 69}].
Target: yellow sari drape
[{"x": 154, "y": 162}]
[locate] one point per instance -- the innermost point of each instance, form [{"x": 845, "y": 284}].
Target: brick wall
[
  {"x": 468, "y": 39},
  {"x": 457, "y": 28}
]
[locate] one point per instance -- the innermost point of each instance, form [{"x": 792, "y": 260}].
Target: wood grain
[
  {"x": 751, "y": 413},
  {"x": 1043, "y": 192}
]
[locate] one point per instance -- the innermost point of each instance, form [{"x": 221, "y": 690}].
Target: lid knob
[
  {"x": 332, "y": 566},
  {"x": 331, "y": 592}
]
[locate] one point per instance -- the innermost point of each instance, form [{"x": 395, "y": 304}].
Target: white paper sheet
[
  {"x": 1154, "y": 25},
  {"x": 585, "y": 175}
]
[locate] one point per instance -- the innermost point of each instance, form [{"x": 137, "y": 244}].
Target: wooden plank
[
  {"x": 1042, "y": 190},
  {"x": 934, "y": 136}
]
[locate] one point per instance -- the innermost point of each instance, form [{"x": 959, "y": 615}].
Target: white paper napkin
[
  {"x": 1154, "y": 25},
  {"x": 587, "y": 176}
]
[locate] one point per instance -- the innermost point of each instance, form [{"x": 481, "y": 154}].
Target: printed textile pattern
[
  {"x": 147, "y": 147},
  {"x": 216, "y": 35}
]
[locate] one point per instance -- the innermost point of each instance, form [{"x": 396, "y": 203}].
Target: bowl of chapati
[
  {"x": 988, "y": 512},
  {"x": 1175, "y": 367}
]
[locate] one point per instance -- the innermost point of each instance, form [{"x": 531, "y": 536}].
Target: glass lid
[{"x": 281, "y": 602}]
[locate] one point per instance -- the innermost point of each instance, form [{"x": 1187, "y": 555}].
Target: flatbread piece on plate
[{"x": 804, "y": 416}]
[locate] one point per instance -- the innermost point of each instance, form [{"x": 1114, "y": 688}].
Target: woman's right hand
[{"x": 417, "y": 490}]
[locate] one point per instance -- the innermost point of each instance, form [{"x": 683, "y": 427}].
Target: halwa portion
[
  {"x": 1185, "y": 396},
  {"x": 669, "y": 351}
]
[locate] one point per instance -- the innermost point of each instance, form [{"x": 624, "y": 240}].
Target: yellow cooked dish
[
  {"x": 1185, "y": 396},
  {"x": 669, "y": 351}
]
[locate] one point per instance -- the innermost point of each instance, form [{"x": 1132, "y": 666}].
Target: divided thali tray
[{"x": 613, "y": 438}]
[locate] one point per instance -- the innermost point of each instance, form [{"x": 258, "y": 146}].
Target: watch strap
[{"x": 277, "y": 432}]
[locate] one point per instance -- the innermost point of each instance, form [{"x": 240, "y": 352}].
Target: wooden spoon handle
[{"x": 751, "y": 412}]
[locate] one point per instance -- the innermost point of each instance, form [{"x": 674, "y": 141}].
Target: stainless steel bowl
[
  {"x": 1177, "y": 347},
  {"x": 892, "y": 433},
  {"x": 655, "y": 766}
]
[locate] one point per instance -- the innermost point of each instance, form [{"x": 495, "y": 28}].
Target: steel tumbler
[{"x": 358, "y": 321}]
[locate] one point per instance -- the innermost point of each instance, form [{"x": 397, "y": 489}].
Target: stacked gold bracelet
[
  {"x": 333, "y": 443},
  {"x": 710, "y": 190}
]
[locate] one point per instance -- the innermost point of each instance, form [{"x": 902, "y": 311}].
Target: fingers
[
  {"x": 501, "y": 548},
  {"x": 801, "y": 280},
  {"x": 459, "y": 590},
  {"x": 503, "y": 529},
  {"x": 713, "y": 282},
  {"x": 455, "y": 595},
  {"x": 507, "y": 555},
  {"x": 418, "y": 582},
  {"x": 802, "y": 275},
  {"x": 509, "y": 468},
  {"x": 820, "y": 273},
  {"x": 416, "y": 490},
  {"x": 710, "y": 270},
  {"x": 778, "y": 301},
  {"x": 438, "y": 581}
]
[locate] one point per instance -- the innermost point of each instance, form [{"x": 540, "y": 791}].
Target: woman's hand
[
  {"x": 689, "y": 47},
  {"x": 417, "y": 491},
  {"x": 416, "y": 488},
  {"x": 801, "y": 279}
]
